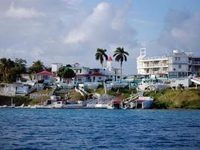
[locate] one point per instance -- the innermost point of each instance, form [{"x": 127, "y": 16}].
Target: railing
[{"x": 156, "y": 57}]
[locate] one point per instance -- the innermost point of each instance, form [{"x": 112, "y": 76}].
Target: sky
[{"x": 70, "y": 31}]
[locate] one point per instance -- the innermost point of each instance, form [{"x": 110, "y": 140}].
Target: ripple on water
[{"x": 99, "y": 129}]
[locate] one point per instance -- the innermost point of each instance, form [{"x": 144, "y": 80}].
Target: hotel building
[{"x": 176, "y": 65}]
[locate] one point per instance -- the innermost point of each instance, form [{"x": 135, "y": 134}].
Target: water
[{"x": 99, "y": 129}]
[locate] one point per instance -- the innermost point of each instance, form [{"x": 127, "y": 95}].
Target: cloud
[
  {"x": 104, "y": 27},
  {"x": 66, "y": 31},
  {"x": 22, "y": 13},
  {"x": 181, "y": 31}
]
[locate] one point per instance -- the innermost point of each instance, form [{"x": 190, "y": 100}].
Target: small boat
[
  {"x": 74, "y": 105},
  {"x": 21, "y": 106},
  {"x": 53, "y": 102},
  {"x": 4, "y": 106}
]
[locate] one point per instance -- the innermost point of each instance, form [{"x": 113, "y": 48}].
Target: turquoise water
[{"x": 99, "y": 129}]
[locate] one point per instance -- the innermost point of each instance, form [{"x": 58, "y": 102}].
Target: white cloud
[
  {"x": 94, "y": 23},
  {"x": 22, "y": 13},
  {"x": 181, "y": 31},
  {"x": 105, "y": 26},
  {"x": 83, "y": 28}
]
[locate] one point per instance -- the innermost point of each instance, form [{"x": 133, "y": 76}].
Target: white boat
[
  {"x": 4, "y": 106},
  {"x": 101, "y": 106},
  {"x": 53, "y": 102},
  {"x": 21, "y": 106}
]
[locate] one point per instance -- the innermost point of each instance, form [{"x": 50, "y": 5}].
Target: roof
[
  {"x": 47, "y": 73},
  {"x": 97, "y": 74}
]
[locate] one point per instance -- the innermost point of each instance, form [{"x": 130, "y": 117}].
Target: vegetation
[
  {"x": 120, "y": 56},
  {"x": 101, "y": 55},
  {"x": 36, "y": 67},
  {"x": 66, "y": 73},
  {"x": 176, "y": 98},
  {"x": 76, "y": 96},
  {"x": 118, "y": 92},
  {"x": 10, "y": 70},
  {"x": 17, "y": 100}
]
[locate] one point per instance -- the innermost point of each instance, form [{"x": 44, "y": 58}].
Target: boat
[
  {"x": 74, "y": 104},
  {"x": 4, "y": 106},
  {"x": 21, "y": 106},
  {"x": 53, "y": 102}
]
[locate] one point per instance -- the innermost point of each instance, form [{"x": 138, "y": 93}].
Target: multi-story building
[{"x": 177, "y": 64}]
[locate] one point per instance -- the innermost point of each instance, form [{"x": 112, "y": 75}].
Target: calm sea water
[{"x": 99, "y": 129}]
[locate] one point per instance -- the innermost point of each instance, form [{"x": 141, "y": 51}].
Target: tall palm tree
[
  {"x": 120, "y": 55},
  {"x": 101, "y": 55}
]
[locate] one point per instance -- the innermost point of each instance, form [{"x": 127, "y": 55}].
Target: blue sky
[{"x": 70, "y": 31}]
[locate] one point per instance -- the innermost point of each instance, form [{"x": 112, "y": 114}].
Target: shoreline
[{"x": 163, "y": 99}]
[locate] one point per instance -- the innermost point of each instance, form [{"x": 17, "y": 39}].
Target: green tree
[
  {"x": 120, "y": 56},
  {"x": 101, "y": 55},
  {"x": 20, "y": 66},
  {"x": 36, "y": 67},
  {"x": 66, "y": 73},
  {"x": 7, "y": 69}
]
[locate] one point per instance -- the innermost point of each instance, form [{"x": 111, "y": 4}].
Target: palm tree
[
  {"x": 120, "y": 55},
  {"x": 101, "y": 55}
]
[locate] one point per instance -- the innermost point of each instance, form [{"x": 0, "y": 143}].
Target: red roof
[
  {"x": 97, "y": 74},
  {"x": 45, "y": 73},
  {"x": 82, "y": 75}
]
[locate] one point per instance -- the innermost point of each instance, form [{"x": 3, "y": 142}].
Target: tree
[
  {"x": 20, "y": 66},
  {"x": 36, "y": 67},
  {"x": 101, "y": 55},
  {"x": 120, "y": 56},
  {"x": 7, "y": 69},
  {"x": 66, "y": 73}
]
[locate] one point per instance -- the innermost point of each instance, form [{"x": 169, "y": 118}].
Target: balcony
[
  {"x": 154, "y": 66},
  {"x": 157, "y": 58}
]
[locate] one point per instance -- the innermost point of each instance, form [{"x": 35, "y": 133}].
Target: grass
[
  {"x": 188, "y": 98},
  {"x": 118, "y": 92}
]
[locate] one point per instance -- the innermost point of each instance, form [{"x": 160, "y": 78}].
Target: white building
[
  {"x": 55, "y": 67},
  {"x": 177, "y": 64}
]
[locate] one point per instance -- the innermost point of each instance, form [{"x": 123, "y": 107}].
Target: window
[{"x": 179, "y": 66}]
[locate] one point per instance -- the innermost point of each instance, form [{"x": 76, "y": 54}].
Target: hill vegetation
[{"x": 188, "y": 98}]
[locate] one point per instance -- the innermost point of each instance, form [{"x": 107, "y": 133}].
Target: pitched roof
[{"x": 47, "y": 73}]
